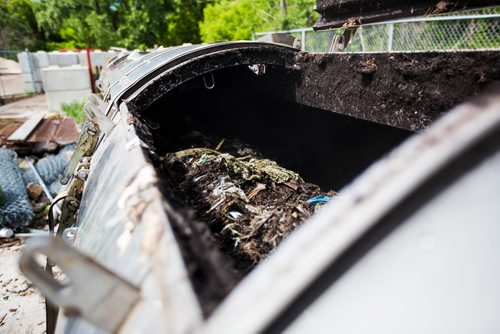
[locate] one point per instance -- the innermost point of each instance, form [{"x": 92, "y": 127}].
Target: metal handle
[{"x": 94, "y": 293}]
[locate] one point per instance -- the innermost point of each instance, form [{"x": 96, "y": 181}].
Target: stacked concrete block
[
  {"x": 64, "y": 58},
  {"x": 33, "y": 63},
  {"x": 97, "y": 58},
  {"x": 65, "y": 85},
  {"x": 31, "y": 72}
]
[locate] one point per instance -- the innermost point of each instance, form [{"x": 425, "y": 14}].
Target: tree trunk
[{"x": 283, "y": 6}]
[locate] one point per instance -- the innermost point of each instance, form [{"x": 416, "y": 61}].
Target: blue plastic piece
[{"x": 321, "y": 199}]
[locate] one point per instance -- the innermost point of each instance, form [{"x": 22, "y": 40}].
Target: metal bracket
[
  {"x": 68, "y": 213},
  {"x": 93, "y": 292},
  {"x": 71, "y": 203},
  {"x": 340, "y": 42},
  {"x": 210, "y": 85},
  {"x": 85, "y": 147},
  {"x": 69, "y": 234},
  {"x": 93, "y": 110}
]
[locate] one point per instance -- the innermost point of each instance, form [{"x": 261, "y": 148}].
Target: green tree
[
  {"x": 77, "y": 23},
  {"x": 299, "y": 14},
  {"x": 125, "y": 23},
  {"x": 237, "y": 19},
  {"x": 18, "y": 27},
  {"x": 183, "y": 22}
]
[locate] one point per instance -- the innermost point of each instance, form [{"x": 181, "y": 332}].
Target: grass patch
[{"x": 74, "y": 110}]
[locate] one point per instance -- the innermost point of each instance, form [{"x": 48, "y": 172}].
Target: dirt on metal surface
[
  {"x": 405, "y": 90},
  {"x": 48, "y": 136},
  {"x": 61, "y": 130},
  {"x": 8, "y": 126},
  {"x": 336, "y": 13}
]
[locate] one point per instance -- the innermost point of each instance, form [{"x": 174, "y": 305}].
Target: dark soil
[
  {"x": 405, "y": 90},
  {"x": 250, "y": 204}
]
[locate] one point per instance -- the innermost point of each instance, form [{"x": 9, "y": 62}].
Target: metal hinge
[
  {"x": 93, "y": 110},
  {"x": 71, "y": 202},
  {"x": 85, "y": 147},
  {"x": 93, "y": 292},
  {"x": 87, "y": 142}
]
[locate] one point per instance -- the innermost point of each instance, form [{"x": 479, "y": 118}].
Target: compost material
[{"x": 250, "y": 203}]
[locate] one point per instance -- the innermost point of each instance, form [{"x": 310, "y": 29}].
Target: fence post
[
  {"x": 362, "y": 39},
  {"x": 30, "y": 65},
  {"x": 2, "y": 90},
  {"x": 303, "y": 40},
  {"x": 390, "y": 36}
]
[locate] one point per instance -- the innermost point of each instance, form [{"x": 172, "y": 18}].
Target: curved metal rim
[{"x": 136, "y": 87}]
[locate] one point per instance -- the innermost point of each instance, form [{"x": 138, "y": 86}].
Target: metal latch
[
  {"x": 340, "y": 42},
  {"x": 93, "y": 292},
  {"x": 71, "y": 202},
  {"x": 85, "y": 147}
]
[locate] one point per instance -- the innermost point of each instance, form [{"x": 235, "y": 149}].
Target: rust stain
[
  {"x": 62, "y": 131},
  {"x": 8, "y": 126},
  {"x": 46, "y": 137}
]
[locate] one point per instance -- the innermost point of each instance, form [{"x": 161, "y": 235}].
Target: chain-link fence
[{"x": 474, "y": 31}]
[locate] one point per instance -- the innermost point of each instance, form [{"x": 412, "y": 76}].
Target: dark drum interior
[{"x": 325, "y": 148}]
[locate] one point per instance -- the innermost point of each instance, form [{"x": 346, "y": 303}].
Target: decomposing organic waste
[{"x": 250, "y": 203}]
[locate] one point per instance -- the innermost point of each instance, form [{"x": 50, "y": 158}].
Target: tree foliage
[
  {"x": 125, "y": 23},
  {"x": 77, "y": 24},
  {"x": 18, "y": 26},
  {"x": 237, "y": 19}
]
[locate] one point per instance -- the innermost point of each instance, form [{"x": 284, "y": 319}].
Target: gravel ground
[
  {"x": 22, "y": 308},
  {"x": 25, "y": 107}
]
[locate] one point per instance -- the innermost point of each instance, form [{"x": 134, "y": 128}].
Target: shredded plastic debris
[
  {"x": 250, "y": 203},
  {"x": 322, "y": 199}
]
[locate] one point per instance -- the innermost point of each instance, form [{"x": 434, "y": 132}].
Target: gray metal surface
[
  {"x": 160, "y": 61},
  {"x": 124, "y": 227},
  {"x": 436, "y": 273}
]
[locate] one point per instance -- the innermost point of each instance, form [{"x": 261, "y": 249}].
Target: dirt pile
[{"x": 249, "y": 203}]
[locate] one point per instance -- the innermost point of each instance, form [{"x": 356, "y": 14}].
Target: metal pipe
[
  {"x": 30, "y": 65},
  {"x": 390, "y": 36},
  {"x": 40, "y": 181},
  {"x": 91, "y": 76}
]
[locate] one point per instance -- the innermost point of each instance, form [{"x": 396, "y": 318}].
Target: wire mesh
[
  {"x": 475, "y": 31},
  {"x": 16, "y": 211}
]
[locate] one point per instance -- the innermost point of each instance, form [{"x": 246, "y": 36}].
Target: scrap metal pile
[
  {"x": 23, "y": 201},
  {"x": 251, "y": 204}
]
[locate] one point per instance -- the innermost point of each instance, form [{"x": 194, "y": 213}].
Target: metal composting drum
[{"x": 215, "y": 186}]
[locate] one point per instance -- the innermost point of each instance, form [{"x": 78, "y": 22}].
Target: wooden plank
[{"x": 26, "y": 129}]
